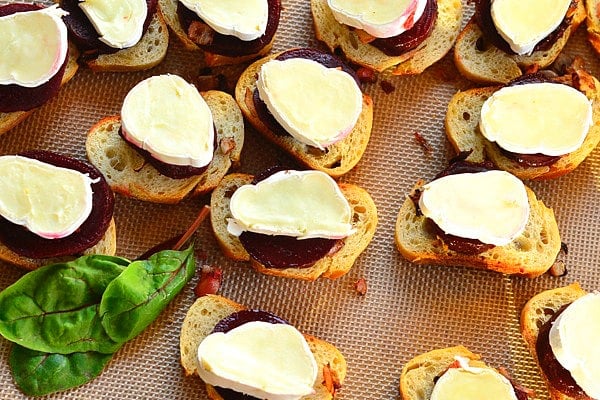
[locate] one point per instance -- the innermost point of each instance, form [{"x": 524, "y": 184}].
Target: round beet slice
[
  {"x": 19, "y": 98},
  {"x": 26, "y": 243},
  {"x": 231, "y": 46},
  {"x": 410, "y": 39}
]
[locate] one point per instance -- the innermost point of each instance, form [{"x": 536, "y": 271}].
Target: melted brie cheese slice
[
  {"x": 33, "y": 46},
  {"x": 303, "y": 204},
  {"x": 244, "y": 19},
  {"x": 523, "y": 24},
  {"x": 168, "y": 117},
  {"x": 490, "y": 206},
  {"x": 50, "y": 201},
  {"x": 264, "y": 360},
  {"x": 382, "y": 19},
  {"x": 119, "y": 23},
  {"x": 317, "y": 105},
  {"x": 548, "y": 118},
  {"x": 575, "y": 341},
  {"x": 472, "y": 383}
]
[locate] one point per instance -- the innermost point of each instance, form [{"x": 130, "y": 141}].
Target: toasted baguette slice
[
  {"x": 207, "y": 310},
  {"x": 592, "y": 8},
  {"x": 107, "y": 245},
  {"x": 339, "y": 158},
  {"x": 147, "y": 53},
  {"x": 462, "y": 130},
  {"x": 538, "y": 310},
  {"x": 531, "y": 254},
  {"x": 439, "y": 42},
  {"x": 364, "y": 221},
  {"x": 12, "y": 119},
  {"x": 127, "y": 172},
  {"x": 482, "y": 62},
  {"x": 169, "y": 9},
  {"x": 418, "y": 376}
]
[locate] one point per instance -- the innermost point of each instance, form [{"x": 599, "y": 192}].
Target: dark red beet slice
[
  {"x": 483, "y": 18},
  {"x": 232, "y": 46},
  {"x": 18, "y": 98},
  {"x": 285, "y": 251},
  {"x": 559, "y": 377},
  {"x": 28, "y": 244},
  {"x": 410, "y": 39},
  {"x": 233, "y": 321},
  {"x": 170, "y": 170},
  {"x": 83, "y": 33}
]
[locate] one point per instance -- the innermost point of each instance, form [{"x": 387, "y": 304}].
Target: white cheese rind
[
  {"x": 381, "y": 19},
  {"x": 168, "y": 117},
  {"x": 489, "y": 206},
  {"x": 244, "y": 19},
  {"x": 119, "y": 23},
  {"x": 50, "y": 201},
  {"x": 523, "y": 24},
  {"x": 318, "y": 106},
  {"x": 469, "y": 383},
  {"x": 302, "y": 204},
  {"x": 575, "y": 341},
  {"x": 33, "y": 46},
  {"x": 264, "y": 360},
  {"x": 547, "y": 118}
]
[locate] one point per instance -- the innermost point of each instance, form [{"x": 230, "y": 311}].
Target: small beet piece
[
  {"x": 26, "y": 243},
  {"x": 209, "y": 282}
]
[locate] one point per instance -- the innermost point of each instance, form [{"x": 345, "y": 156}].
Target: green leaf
[
  {"x": 135, "y": 298},
  {"x": 37, "y": 373},
  {"x": 54, "y": 309}
]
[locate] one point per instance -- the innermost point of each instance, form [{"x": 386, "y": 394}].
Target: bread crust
[
  {"x": 489, "y": 65},
  {"x": 107, "y": 245},
  {"x": 531, "y": 254},
  {"x": 330, "y": 266},
  {"x": 436, "y": 46},
  {"x": 339, "y": 158},
  {"x": 462, "y": 130},
  {"x": 128, "y": 174},
  {"x": 169, "y": 8},
  {"x": 207, "y": 310},
  {"x": 539, "y": 310}
]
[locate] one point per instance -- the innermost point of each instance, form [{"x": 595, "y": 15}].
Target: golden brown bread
[{"x": 207, "y": 310}]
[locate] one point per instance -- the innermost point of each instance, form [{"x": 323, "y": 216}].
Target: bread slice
[
  {"x": 169, "y": 8},
  {"x": 339, "y": 158},
  {"x": 147, "y": 53},
  {"x": 418, "y": 376},
  {"x": 530, "y": 254},
  {"x": 127, "y": 172},
  {"x": 482, "y": 62},
  {"x": 364, "y": 220},
  {"x": 538, "y": 310},
  {"x": 592, "y": 8},
  {"x": 462, "y": 130},
  {"x": 107, "y": 245},
  {"x": 340, "y": 36},
  {"x": 207, "y": 310},
  {"x": 12, "y": 119}
]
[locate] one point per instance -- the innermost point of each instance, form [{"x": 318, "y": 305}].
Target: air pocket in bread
[
  {"x": 405, "y": 39},
  {"x": 218, "y": 320},
  {"x": 560, "y": 115},
  {"x": 500, "y": 41},
  {"x": 476, "y": 217},
  {"x": 326, "y": 125},
  {"x": 170, "y": 141},
  {"x": 560, "y": 328},
  {"x": 319, "y": 229},
  {"x": 53, "y": 207}
]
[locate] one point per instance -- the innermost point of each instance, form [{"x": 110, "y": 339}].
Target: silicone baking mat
[{"x": 408, "y": 309}]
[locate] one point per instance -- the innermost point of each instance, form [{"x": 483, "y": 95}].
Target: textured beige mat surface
[{"x": 407, "y": 310}]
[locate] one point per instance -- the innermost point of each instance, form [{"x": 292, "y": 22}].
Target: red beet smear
[
  {"x": 28, "y": 244},
  {"x": 18, "y": 98}
]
